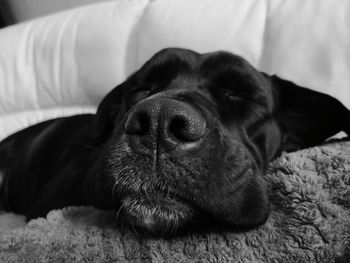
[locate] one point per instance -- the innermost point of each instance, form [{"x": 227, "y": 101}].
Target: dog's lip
[
  {"x": 155, "y": 199},
  {"x": 156, "y": 213}
]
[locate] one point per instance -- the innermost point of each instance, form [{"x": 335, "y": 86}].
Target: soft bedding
[
  {"x": 65, "y": 63},
  {"x": 310, "y": 222}
]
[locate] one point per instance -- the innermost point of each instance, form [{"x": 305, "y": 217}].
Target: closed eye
[{"x": 233, "y": 97}]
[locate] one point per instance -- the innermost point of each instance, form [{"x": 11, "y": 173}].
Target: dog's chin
[{"x": 156, "y": 215}]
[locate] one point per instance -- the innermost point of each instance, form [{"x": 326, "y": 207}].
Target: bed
[{"x": 64, "y": 64}]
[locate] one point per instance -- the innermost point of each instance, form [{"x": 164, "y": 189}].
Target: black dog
[{"x": 185, "y": 139}]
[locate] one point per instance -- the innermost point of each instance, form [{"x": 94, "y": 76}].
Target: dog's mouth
[
  {"x": 156, "y": 213},
  {"x": 175, "y": 194}
]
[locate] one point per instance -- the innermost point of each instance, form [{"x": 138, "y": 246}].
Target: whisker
[
  {"x": 116, "y": 183},
  {"x": 122, "y": 170},
  {"x": 82, "y": 144},
  {"x": 117, "y": 215},
  {"x": 133, "y": 227},
  {"x": 168, "y": 191},
  {"x": 174, "y": 226},
  {"x": 113, "y": 191}
]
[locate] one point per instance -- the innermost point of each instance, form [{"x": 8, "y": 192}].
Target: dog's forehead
[
  {"x": 172, "y": 69},
  {"x": 223, "y": 66},
  {"x": 188, "y": 66},
  {"x": 175, "y": 57}
]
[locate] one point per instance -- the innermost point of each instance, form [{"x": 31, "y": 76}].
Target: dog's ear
[
  {"x": 307, "y": 117},
  {"x": 107, "y": 113}
]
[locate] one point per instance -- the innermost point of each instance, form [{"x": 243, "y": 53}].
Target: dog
[{"x": 184, "y": 141}]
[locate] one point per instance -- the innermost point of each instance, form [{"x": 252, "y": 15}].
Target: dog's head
[{"x": 187, "y": 138}]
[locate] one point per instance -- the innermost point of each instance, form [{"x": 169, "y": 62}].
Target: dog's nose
[{"x": 165, "y": 124}]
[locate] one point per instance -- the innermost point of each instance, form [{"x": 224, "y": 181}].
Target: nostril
[
  {"x": 137, "y": 124},
  {"x": 186, "y": 128}
]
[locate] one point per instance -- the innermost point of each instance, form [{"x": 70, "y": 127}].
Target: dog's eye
[
  {"x": 233, "y": 97},
  {"x": 138, "y": 95}
]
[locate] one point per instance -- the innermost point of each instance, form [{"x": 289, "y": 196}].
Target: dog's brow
[
  {"x": 236, "y": 80},
  {"x": 187, "y": 81}
]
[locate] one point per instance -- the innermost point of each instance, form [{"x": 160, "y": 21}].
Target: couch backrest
[
  {"x": 15, "y": 11},
  {"x": 65, "y": 63}
]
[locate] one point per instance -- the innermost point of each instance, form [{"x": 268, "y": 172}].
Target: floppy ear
[
  {"x": 307, "y": 117},
  {"x": 107, "y": 113}
]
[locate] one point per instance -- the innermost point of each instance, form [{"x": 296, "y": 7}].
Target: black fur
[{"x": 183, "y": 141}]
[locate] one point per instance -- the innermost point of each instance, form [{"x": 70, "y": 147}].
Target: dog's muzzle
[
  {"x": 174, "y": 168},
  {"x": 157, "y": 130}
]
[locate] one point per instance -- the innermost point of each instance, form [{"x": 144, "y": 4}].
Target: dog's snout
[{"x": 165, "y": 124}]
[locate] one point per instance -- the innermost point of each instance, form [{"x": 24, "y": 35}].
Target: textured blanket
[{"x": 310, "y": 222}]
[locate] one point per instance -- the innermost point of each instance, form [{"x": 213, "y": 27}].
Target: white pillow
[
  {"x": 202, "y": 25},
  {"x": 309, "y": 43},
  {"x": 65, "y": 63}
]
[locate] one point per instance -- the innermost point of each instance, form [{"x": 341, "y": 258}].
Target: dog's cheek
[
  {"x": 244, "y": 207},
  {"x": 255, "y": 207},
  {"x": 251, "y": 209}
]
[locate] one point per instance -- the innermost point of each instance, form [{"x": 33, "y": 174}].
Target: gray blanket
[{"x": 310, "y": 222}]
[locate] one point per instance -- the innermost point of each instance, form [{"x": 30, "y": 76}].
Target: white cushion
[
  {"x": 309, "y": 43},
  {"x": 65, "y": 63},
  {"x": 201, "y": 25}
]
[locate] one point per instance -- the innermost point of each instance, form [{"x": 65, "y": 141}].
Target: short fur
[{"x": 183, "y": 141}]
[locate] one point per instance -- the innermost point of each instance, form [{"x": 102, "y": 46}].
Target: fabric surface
[
  {"x": 65, "y": 63},
  {"x": 310, "y": 222},
  {"x": 21, "y": 10},
  {"x": 54, "y": 65}
]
